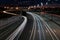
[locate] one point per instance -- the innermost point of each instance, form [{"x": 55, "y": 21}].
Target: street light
[
  {"x": 11, "y": 8},
  {"x": 17, "y": 8},
  {"x": 46, "y": 3},
  {"x": 5, "y": 7},
  {"x": 41, "y": 4},
  {"x": 28, "y": 8},
  {"x": 37, "y": 5}
]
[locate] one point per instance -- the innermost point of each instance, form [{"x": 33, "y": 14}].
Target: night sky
[{"x": 28, "y": 2}]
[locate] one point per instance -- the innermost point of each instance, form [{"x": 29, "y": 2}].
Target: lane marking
[
  {"x": 19, "y": 29},
  {"x": 49, "y": 28},
  {"x": 34, "y": 27}
]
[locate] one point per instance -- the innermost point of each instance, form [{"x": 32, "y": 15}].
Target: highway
[
  {"x": 28, "y": 30},
  {"x": 19, "y": 29},
  {"x": 30, "y": 27},
  {"x": 54, "y": 18},
  {"x": 53, "y": 22},
  {"x": 44, "y": 31},
  {"x": 10, "y": 27}
]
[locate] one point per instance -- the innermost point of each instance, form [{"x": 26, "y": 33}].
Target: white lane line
[
  {"x": 49, "y": 28},
  {"x": 34, "y": 27},
  {"x": 54, "y": 30},
  {"x": 19, "y": 29},
  {"x": 39, "y": 31},
  {"x": 48, "y": 31},
  {"x": 38, "y": 28},
  {"x": 40, "y": 25},
  {"x": 41, "y": 28}
]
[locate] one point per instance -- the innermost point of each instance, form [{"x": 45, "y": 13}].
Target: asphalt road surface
[
  {"x": 54, "y": 23},
  {"x": 45, "y": 30},
  {"x": 7, "y": 27},
  {"x": 33, "y": 27},
  {"x": 18, "y": 30},
  {"x": 28, "y": 29}
]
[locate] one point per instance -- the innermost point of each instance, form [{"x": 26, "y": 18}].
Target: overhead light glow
[{"x": 41, "y": 4}]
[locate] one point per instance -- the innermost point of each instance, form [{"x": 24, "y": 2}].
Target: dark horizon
[{"x": 28, "y": 2}]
